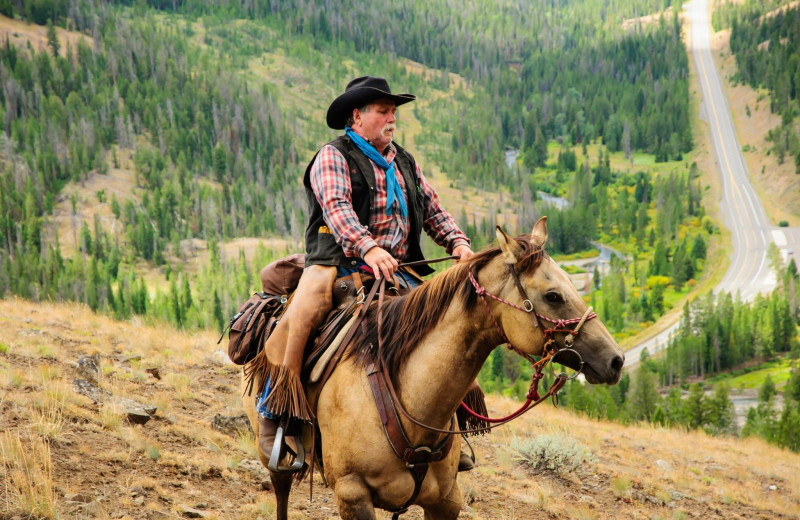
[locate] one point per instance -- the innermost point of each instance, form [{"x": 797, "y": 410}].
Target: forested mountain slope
[{"x": 203, "y": 116}]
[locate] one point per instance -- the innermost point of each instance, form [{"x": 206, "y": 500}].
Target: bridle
[
  {"x": 550, "y": 352},
  {"x": 550, "y": 349}
]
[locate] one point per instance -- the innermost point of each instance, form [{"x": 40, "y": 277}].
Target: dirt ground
[{"x": 78, "y": 459}]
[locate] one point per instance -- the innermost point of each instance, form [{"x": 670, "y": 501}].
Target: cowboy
[{"x": 368, "y": 204}]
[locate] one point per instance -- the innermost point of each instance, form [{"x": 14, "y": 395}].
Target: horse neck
[{"x": 440, "y": 370}]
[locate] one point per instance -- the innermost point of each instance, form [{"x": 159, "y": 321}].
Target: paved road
[{"x": 742, "y": 211}]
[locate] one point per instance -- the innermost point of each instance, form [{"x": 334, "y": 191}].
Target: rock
[
  {"x": 772, "y": 487},
  {"x": 89, "y": 368},
  {"x": 231, "y": 424},
  {"x": 266, "y": 485},
  {"x": 94, "y": 509},
  {"x": 254, "y": 467},
  {"x": 188, "y": 512},
  {"x": 588, "y": 500},
  {"x": 138, "y": 501},
  {"x": 220, "y": 357},
  {"x": 136, "y": 413},
  {"x": 84, "y": 387},
  {"x": 125, "y": 359},
  {"x": 663, "y": 464},
  {"x": 83, "y": 498}
]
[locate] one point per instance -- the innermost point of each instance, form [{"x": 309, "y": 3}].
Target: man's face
[{"x": 377, "y": 123}]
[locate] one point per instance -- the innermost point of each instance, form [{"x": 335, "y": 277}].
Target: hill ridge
[{"x": 101, "y": 465}]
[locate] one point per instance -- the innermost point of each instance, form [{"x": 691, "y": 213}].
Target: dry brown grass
[
  {"x": 26, "y": 469},
  {"x": 20, "y": 33},
  {"x": 177, "y": 460}
]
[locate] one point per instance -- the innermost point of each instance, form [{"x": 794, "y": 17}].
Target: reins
[{"x": 549, "y": 353}]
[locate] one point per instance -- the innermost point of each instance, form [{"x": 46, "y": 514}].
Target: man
[{"x": 369, "y": 203}]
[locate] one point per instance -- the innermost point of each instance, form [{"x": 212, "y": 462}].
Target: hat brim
[{"x": 343, "y": 105}]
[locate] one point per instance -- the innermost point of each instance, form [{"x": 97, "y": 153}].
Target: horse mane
[{"x": 408, "y": 318}]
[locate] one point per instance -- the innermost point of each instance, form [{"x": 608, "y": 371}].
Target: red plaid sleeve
[
  {"x": 330, "y": 181},
  {"x": 438, "y": 223}
]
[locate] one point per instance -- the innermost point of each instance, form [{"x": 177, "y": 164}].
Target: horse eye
[{"x": 553, "y": 297}]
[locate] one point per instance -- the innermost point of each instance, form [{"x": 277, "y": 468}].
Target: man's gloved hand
[{"x": 381, "y": 262}]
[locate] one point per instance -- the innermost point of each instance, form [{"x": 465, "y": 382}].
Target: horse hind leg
[{"x": 282, "y": 486}]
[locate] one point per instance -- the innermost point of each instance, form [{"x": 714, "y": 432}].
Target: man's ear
[
  {"x": 511, "y": 250},
  {"x": 539, "y": 233}
]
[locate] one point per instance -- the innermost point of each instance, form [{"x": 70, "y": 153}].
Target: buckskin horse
[{"x": 434, "y": 342}]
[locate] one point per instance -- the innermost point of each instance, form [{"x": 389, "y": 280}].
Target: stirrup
[{"x": 279, "y": 444}]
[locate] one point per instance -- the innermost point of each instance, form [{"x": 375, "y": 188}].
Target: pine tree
[
  {"x": 643, "y": 396},
  {"x": 52, "y": 39},
  {"x": 694, "y": 407},
  {"x": 722, "y": 416},
  {"x": 217, "y": 311},
  {"x": 767, "y": 390}
]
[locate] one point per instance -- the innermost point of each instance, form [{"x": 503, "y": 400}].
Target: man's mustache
[{"x": 389, "y": 127}]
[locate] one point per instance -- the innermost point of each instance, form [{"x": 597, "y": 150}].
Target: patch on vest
[{"x": 325, "y": 229}]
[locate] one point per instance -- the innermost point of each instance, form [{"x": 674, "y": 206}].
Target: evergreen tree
[
  {"x": 721, "y": 414},
  {"x": 217, "y": 312},
  {"x": 767, "y": 390},
  {"x": 695, "y": 407},
  {"x": 52, "y": 39},
  {"x": 643, "y": 396}
]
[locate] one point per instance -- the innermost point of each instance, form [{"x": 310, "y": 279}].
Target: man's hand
[
  {"x": 381, "y": 262},
  {"x": 463, "y": 252}
]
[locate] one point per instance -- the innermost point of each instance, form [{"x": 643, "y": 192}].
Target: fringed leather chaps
[
  {"x": 476, "y": 401},
  {"x": 281, "y": 360}
]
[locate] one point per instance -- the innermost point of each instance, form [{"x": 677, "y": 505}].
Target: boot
[
  {"x": 466, "y": 461},
  {"x": 267, "y": 428},
  {"x": 475, "y": 400},
  {"x": 273, "y": 435}
]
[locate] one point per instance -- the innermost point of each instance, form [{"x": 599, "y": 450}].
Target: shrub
[{"x": 551, "y": 453}]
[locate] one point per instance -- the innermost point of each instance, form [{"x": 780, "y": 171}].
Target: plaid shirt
[{"x": 330, "y": 181}]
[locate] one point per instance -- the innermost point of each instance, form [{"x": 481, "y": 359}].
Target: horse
[{"x": 434, "y": 342}]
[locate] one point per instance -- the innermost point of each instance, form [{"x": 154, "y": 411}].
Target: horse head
[{"x": 550, "y": 307}]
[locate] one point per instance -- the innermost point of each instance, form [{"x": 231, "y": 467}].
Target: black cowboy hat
[{"x": 359, "y": 92}]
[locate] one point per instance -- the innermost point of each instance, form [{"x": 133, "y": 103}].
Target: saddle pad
[{"x": 330, "y": 350}]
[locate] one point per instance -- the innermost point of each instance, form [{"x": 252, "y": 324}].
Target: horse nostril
[{"x": 617, "y": 363}]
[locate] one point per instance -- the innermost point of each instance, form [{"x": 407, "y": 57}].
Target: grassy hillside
[{"x": 62, "y": 455}]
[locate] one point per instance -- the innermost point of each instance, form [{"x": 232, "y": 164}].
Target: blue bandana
[{"x": 393, "y": 189}]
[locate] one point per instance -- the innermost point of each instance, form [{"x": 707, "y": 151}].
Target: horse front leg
[
  {"x": 447, "y": 508},
  {"x": 354, "y": 499},
  {"x": 282, "y": 485}
]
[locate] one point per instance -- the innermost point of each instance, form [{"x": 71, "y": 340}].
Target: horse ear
[
  {"x": 511, "y": 251},
  {"x": 539, "y": 233}
]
